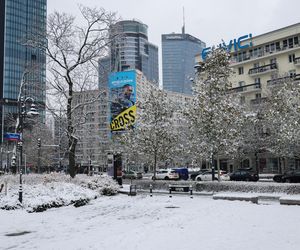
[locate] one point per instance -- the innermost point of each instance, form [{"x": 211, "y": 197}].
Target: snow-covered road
[{"x": 160, "y": 222}]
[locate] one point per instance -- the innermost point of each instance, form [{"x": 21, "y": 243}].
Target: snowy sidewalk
[{"x": 142, "y": 222}]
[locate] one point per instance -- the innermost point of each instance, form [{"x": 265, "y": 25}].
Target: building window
[
  {"x": 241, "y": 84},
  {"x": 258, "y": 96},
  {"x": 242, "y": 99},
  {"x": 256, "y": 65},
  {"x": 284, "y": 44},
  {"x": 291, "y": 58},
  {"x": 296, "y": 40},
  {"x": 257, "y": 83},
  {"x": 277, "y": 44},
  {"x": 291, "y": 43},
  {"x": 272, "y": 61},
  {"x": 260, "y": 52},
  {"x": 251, "y": 52},
  {"x": 292, "y": 73},
  {"x": 267, "y": 48},
  {"x": 241, "y": 70}
]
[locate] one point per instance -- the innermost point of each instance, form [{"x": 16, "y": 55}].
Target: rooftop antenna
[{"x": 183, "y": 27}]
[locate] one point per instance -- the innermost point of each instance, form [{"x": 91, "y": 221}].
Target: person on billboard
[
  {"x": 125, "y": 97},
  {"x": 124, "y": 100}
]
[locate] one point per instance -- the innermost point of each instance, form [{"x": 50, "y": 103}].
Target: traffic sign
[{"x": 12, "y": 137}]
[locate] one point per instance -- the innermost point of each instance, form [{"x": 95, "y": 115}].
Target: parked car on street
[
  {"x": 289, "y": 176},
  {"x": 244, "y": 175},
  {"x": 193, "y": 174},
  {"x": 207, "y": 176},
  {"x": 166, "y": 174},
  {"x": 131, "y": 174}
]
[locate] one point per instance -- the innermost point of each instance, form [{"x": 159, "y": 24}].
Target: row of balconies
[
  {"x": 297, "y": 61},
  {"x": 270, "y": 83},
  {"x": 263, "y": 69},
  {"x": 242, "y": 57},
  {"x": 281, "y": 80}
]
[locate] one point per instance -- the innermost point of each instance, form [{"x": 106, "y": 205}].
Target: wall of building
[{"x": 259, "y": 68}]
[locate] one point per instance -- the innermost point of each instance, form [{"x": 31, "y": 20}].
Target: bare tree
[{"x": 73, "y": 52}]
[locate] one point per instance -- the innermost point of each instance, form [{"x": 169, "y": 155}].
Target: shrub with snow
[{"x": 41, "y": 192}]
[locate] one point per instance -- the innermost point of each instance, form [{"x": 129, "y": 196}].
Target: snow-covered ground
[{"x": 159, "y": 222}]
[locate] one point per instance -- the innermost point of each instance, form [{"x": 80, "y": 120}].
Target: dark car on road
[
  {"x": 244, "y": 175},
  {"x": 183, "y": 173},
  {"x": 289, "y": 176}
]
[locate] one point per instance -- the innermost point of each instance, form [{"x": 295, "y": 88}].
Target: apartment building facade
[{"x": 261, "y": 63}]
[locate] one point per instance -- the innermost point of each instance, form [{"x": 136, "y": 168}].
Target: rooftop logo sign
[{"x": 236, "y": 44}]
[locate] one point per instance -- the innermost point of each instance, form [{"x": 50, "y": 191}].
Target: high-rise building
[
  {"x": 133, "y": 51},
  {"x": 178, "y": 60},
  {"x": 20, "y": 62}
]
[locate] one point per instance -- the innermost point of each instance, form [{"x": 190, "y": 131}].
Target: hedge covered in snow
[
  {"x": 41, "y": 192},
  {"x": 225, "y": 186}
]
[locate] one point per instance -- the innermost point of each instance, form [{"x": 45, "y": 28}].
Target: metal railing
[{"x": 263, "y": 69}]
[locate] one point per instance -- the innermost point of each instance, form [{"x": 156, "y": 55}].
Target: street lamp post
[
  {"x": 20, "y": 125},
  {"x": 39, "y": 155}
]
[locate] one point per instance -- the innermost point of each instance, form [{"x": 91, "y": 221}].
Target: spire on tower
[{"x": 183, "y": 27}]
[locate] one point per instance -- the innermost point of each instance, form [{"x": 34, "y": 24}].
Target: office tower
[
  {"x": 19, "y": 22},
  {"x": 178, "y": 60},
  {"x": 133, "y": 51}
]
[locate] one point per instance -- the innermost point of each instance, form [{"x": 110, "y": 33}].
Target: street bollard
[
  {"x": 150, "y": 190},
  {"x": 191, "y": 191},
  {"x": 170, "y": 191},
  {"x": 20, "y": 188}
]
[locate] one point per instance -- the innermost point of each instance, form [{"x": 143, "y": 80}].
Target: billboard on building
[{"x": 122, "y": 96}]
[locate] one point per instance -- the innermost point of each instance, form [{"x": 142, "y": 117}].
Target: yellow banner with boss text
[{"x": 124, "y": 119}]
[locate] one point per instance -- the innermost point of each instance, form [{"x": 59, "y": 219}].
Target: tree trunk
[
  {"x": 72, "y": 139},
  {"x": 72, "y": 163},
  {"x": 155, "y": 160}
]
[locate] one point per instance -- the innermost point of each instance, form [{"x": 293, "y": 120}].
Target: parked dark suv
[
  {"x": 289, "y": 176},
  {"x": 244, "y": 175}
]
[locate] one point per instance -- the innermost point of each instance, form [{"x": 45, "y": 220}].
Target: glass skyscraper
[
  {"x": 178, "y": 60},
  {"x": 133, "y": 51},
  {"x": 20, "y": 21}
]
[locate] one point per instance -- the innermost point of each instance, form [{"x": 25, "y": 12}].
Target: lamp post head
[{"x": 33, "y": 111}]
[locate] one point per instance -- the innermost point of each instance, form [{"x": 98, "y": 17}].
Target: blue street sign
[{"x": 12, "y": 137}]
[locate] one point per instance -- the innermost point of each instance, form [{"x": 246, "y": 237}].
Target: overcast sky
[{"x": 211, "y": 21}]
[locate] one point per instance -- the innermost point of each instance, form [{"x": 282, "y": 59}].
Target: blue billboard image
[{"x": 122, "y": 95}]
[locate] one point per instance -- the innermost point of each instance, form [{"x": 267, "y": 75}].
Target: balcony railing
[
  {"x": 247, "y": 88},
  {"x": 297, "y": 61},
  {"x": 258, "y": 101},
  {"x": 281, "y": 80},
  {"x": 263, "y": 69}
]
